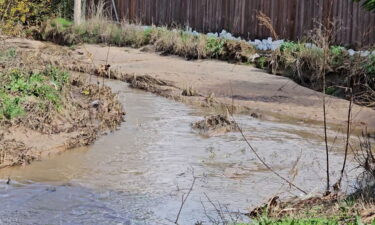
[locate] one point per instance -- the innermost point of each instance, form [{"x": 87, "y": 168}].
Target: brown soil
[
  {"x": 251, "y": 90},
  {"x": 93, "y": 110}
]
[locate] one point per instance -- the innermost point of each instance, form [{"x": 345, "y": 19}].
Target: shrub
[
  {"x": 17, "y": 14},
  {"x": 10, "y": 107},
  {"x": 215, "y": 46}
]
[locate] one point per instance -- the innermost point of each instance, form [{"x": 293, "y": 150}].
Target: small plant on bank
[
  {"x": 22, "y": 88},
  {"x": 215, "y": 47}
]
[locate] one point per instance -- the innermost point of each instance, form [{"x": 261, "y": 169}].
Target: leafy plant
[
  {"x": 370, "y": 66},
  {"x": 10, "y": 107},
  {"x": 261, "y": 62},
  {"x": 44, "y": 87},
  {"x": 290, "y": 46},
  {"x": 215, "y": 46},
  {"x": 368, "y": 4},
  {"x": 338, "y": 55}
]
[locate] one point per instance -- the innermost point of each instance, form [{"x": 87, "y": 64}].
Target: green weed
[
  {"x": 311, "y": 221},
  {"x": 215, "y": 46},
  {"x": 291, "y": 46},
  {"x": 261, "y": 62},
  {"x": 370, "y": 66},
  {"x": 338, "y": 55},
  {"x": 10, "y": 107},
  {"x": 44, "y": 87},
  {"x": 61, "y": 22}
]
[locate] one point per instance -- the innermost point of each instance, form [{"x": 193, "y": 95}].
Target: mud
[
  {"x": 250, "y": 90},
  {"x": 138, "y": 174},
  {"x": 212, "y": 85},
  {"x": 215, "y": 125},
  {"x": 87, "y": 110}
]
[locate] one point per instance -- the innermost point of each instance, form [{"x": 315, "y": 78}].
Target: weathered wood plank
[{"x": 290, "y": 18}]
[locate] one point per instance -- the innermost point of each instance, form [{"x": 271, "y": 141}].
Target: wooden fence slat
[{"x": 291, "y": 18}]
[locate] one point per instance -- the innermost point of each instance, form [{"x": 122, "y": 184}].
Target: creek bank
[
  {"x": 302, "y": 62},
  {"x": 334, "y": 208},
  {"x": 44, "y": 110},
  {"x": 219, "y": 85}
]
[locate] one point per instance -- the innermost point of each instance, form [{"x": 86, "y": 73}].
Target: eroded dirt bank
[
  {"x": 208, "y": 84},
  {"x": 211, "y": 83},
  {"x": 85, "y": 109}
]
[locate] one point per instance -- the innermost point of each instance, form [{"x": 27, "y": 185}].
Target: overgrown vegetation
[
  {"x": 368, "y": 4},
  {"x": 355, "y": 209},
  {"x": 20, "y": 89},
  {"x": 37, "y": 100},
  {"x": 316, "y": 221},
  {"x": 98, "y": 29},
  {"x": 299, "y": 61},
  {"x": 302, "y": 63},
  {"x": 15, "y": 16}
]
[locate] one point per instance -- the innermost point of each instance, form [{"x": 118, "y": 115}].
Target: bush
[
  {"x": 215, "y": 46},
  {"x": 28, "y": 13}
]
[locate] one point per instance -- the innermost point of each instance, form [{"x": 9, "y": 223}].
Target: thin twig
[
  {"x": 218, "y": 211},
  {"x": 256, "y": 153},
  {"x": 184, "y": 199},
  {"x": 323, "y": 75},
  {"x": 347, "y": 136}
]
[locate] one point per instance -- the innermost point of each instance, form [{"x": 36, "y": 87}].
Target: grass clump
[
  {"x": 99, "y": 29},
  {"x": 343, "y": 71},
  {"x": 312, "y": 221}
]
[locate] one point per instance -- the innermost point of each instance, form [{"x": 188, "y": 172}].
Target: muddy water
[{"x": 138, "y": 174}]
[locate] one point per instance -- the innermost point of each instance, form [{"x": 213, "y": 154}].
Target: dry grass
[{"x": 99, "y": 28}]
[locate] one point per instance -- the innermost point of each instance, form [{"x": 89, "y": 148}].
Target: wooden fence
[{"x": 292, "y": 19}]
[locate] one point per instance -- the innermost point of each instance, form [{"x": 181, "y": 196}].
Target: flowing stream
[{"x": 138, "y": 174}]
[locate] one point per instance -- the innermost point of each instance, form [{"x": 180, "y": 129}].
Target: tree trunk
[{"x": 77, "y": 11}]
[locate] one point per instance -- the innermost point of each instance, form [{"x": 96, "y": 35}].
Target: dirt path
[{"x": 274, "y": 97}]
